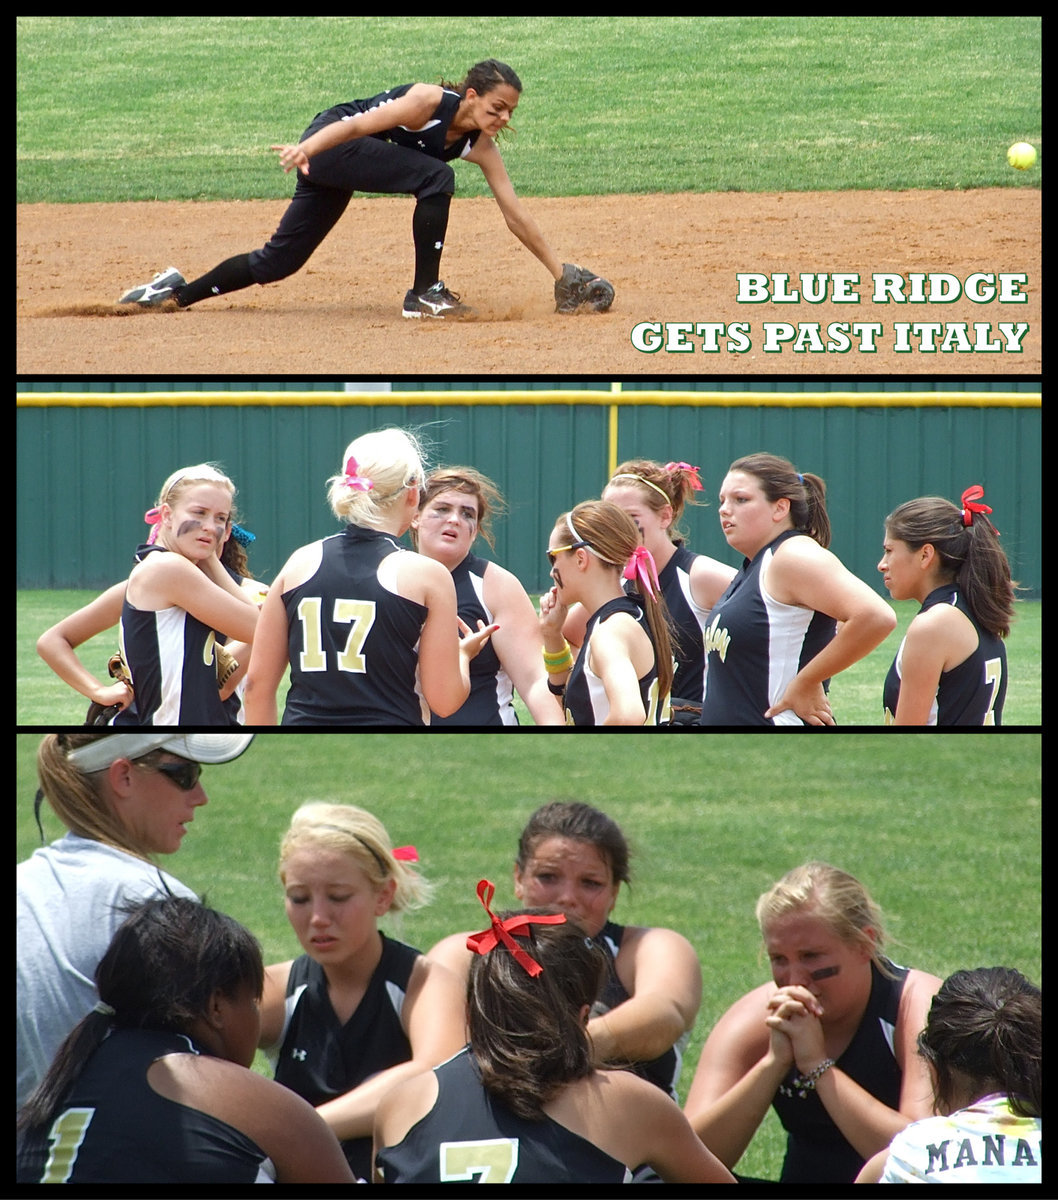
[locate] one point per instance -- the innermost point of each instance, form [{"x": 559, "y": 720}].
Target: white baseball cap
[{"x": 198, "y": 747}]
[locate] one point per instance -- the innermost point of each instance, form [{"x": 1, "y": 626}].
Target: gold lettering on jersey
[{"x": 715, "y": 638}]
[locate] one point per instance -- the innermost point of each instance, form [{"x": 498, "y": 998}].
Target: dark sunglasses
[
  {"x": 562, "y": 550},
  {"x": 184, "y": 774}
]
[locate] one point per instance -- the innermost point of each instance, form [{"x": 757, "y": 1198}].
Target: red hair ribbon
[
  {"x": 153, "y": 517},
  {"x": 641, "y": 566},
  {"x": 502, "y": 931},
  {"x": 354, "y": 479},
  {"x": 695, "y": 482},
  {"x": 406, "y": 854},
  {"x": 970, "y": 506}
]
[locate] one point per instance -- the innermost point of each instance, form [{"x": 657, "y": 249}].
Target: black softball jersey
[
  {"x": 585, "y": 698},
  {"x": 663, "y": 1071},
  {"x": 320, "y": 1058},
  {"x": 430, "y": 139},
  {"x": 170, "y": 656},
  {"x": 491, "y": 699},
  {"x": 353, "y": 644},
  {"x": 114, "y": 1128},
  {"x": 816, "y": 1150},
  {"x": 754, "y": 646},
  {"x": 974, "y": 692},
  {"x": 469, "y": 1136}
]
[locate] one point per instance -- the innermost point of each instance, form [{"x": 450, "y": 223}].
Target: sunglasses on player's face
[
  {"x": 562, "y": 550},
  {"x": 183, "y": 773}
]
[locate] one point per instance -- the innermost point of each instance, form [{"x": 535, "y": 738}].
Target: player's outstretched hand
[
  {"x": 471, "y": 643},
  {"x": 291, "y": 157}
]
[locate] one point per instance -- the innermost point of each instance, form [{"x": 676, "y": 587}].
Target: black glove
[{"x": 580, "y": 288}]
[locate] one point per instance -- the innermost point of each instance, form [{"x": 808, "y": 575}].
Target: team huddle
[
  {"x": 636, "y": 629},
  {"x": 543, "y": 1048}
]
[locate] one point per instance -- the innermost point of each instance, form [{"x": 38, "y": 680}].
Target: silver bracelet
[{"x": 803, "y": 1084}]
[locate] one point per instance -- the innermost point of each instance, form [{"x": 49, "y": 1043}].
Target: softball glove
[
  {"x": 227, "y": 664},
  {"x": 580, "y": 288},
  {"x": 97, "y": 714}
]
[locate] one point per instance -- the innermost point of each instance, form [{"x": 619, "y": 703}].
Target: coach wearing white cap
[{"x": 125, "y": 798}]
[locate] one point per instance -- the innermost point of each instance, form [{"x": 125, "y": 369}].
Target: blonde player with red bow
[
  {"x": 524, "y": 1102},
  {"x": 358, "y": 1011},
  {"x": 623, "y": 671},
  {"x": 951, "y": 668}
]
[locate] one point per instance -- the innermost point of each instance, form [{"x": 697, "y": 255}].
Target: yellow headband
[{"x": 629, "y": 475}]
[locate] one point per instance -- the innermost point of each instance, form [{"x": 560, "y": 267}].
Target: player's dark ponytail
[
  {"x": 780, "y": 480},
  {"x": 968, "y": 550},
  {"x": 163, "y": 965},
  {"x": 528, "y": 1033},
  {"x": 486, "y": 75},
  {"x": 986, "y": 1026}
]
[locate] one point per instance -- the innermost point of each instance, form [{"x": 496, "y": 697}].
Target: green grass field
[
  {"x": 43, "y": 699},
  {"x": 144, "y": 108},
  {"x": 945, "y": 830}
]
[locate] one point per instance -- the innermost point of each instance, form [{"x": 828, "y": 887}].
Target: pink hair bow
[
  {"x": 970, "y": 506},
  {"x": 502, "y": 931},
  {"x": 354, "y": 479},
  {"x": 643, "y": 569},
  {"x": 153, "y": 517},
  {"x": 406, "y": 854},
  {"x": 695, "y": 482}
]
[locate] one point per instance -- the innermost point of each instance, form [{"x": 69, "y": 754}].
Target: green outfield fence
[{"x": 91, "y": 457}]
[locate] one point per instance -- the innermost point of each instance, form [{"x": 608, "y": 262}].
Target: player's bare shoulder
[{"x": 299, "y": 567}]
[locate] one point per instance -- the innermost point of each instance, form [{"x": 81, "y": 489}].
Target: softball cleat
[
  {"x": 161, "y": 287},
  {"x": 436, "y": 301}
]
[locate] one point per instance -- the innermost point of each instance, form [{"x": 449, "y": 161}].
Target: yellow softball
[{"x": 1022, "y": 156}]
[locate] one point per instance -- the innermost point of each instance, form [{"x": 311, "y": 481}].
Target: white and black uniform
[
  {"x": 114, "y": 1128},
  {"x": 585, "y": 696},
  {"x": 353, "y": 644},
  {"x": 816, "y": 1149},
  {"x": 319, "y": 1058},
  {"x": 988, "y": 1142},
  {"x": 754, "y": 646},
  {"x": 233, "y": 704},
  {"x": 689, "y": 620},
  {"x": 663, "y": 1071},
  {"x": 397, "y": 161},
  {"x": 471, "y": 1137},
  {"x": 170, "y": 656},
  {"x": 491, "y": 699},
  {"x": 973, "y": 693}
]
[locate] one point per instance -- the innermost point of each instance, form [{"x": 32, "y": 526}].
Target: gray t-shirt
[{"x": 68, "y": 907}]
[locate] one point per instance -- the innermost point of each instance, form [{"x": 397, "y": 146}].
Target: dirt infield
[{"x": 672, "y": 259}]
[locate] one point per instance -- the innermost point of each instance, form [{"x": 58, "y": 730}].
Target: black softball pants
[{"x": 364, "y": 165}]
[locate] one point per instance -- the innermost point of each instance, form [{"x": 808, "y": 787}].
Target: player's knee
[
  {"x": 268, "y": 267},
  {"x": 439, "y": 181}
]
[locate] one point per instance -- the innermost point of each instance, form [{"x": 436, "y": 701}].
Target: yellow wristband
[{"x": 558, "y": 655}]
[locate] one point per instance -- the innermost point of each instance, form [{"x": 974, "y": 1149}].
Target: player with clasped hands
[{"x": 813, "y": 1042}]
